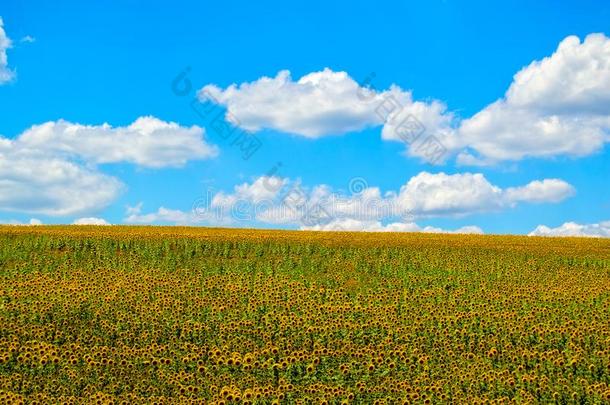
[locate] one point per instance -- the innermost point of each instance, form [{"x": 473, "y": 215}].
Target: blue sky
[{"x": 538, "y": 156}]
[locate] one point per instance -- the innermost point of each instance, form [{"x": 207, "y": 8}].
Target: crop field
[{"x": 187, "y": 315}]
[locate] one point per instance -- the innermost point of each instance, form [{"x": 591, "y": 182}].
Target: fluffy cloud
[
  {"x": 559, "y": 105},
  {"x": 276, "y": 200},
  {"x": 301, "y": 205},
  {"x": 376, "y": 226},
  {"x": 148, "y": 142},
  {"x": 5, "y": 43},
  {"x": 50, "y": 168},
  {"x": 90, "y": 221},
  {"x": 600, "y": 230},
  {"x": 423, "y": 196},
  {"x": 264, "y": 188},
  {"x": 319, "y": 104},
  {"x": 36, "y": 184},
  {"x": 441, "y": 194},
  {"x": 545, "y": 191},
  {"x": 576, "y": 78},
  {"x": 427, "y": 194},
  {"x": 162, "y": 215},
  {"x": 220, "y": 208}
]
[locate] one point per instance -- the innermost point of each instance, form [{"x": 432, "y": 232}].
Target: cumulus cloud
[
  {"x": 545, "y": 191},
  {"x": 220, "y": 208},
  {"x": 600, "y": 230},
  {"x": 277, "y": 200},
  {"x": 301, "y": 205},
  {"x": 556, "y": 106},
  {"x": 147, "y": 142},
  {"x": 162, "y": 215},
  {"x": 51, "y": 169},
  {"x": 264, "y": 188},
  {"x": 428, "y": 194},
  {"x": 355, "y": 225},
  {"x": 90, "y": 221},
  {"x": 6, "y": 74},
  {"x": 576, "y": 78},
  {"x": 320, "y": 104},
  {"x": 52, "y": 186},
  {"x": 440, "y": 194},
  {"x": 559, "y": 105},
  {"x": 425, "y": 195}
]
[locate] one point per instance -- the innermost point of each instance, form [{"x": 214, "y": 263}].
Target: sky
[{"x": 431, "y": 116}]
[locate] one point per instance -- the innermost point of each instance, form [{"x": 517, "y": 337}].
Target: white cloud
[
  {"x": 28, "y": 39},
  {"x": 423, "y": 196},
  {"x": 6, "y": 74},
  {"x": 276, "y": 200},
  {"x": 177, "y": 217},
  {"x": 559, "y": 105},
  {"x": 37, "y": 184},
  {"x": 32, "y": 221},
  {"x": 90, "y": 221},
  {"x": 426, "y": 128},
  {"x": 545, "y": 191},
  {"x": 50, "y": 168},
  {"x": 264, "y": 188},
  {"x": 162, "y": 215},
  {"x": 349, "y": 224},
  {"x": 319, "y": 104},
  {"x": 219, "y": 208},
  {"x": 298, "y": 204},
  {"x": 575, "y": 78},
  {"x": 440, "y": 194},
  {"x": 148, "y": 142},
  {"x": 600, "y": 230}
]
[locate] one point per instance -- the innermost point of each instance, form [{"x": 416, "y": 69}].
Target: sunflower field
[{"x": 152, "y": 315}]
